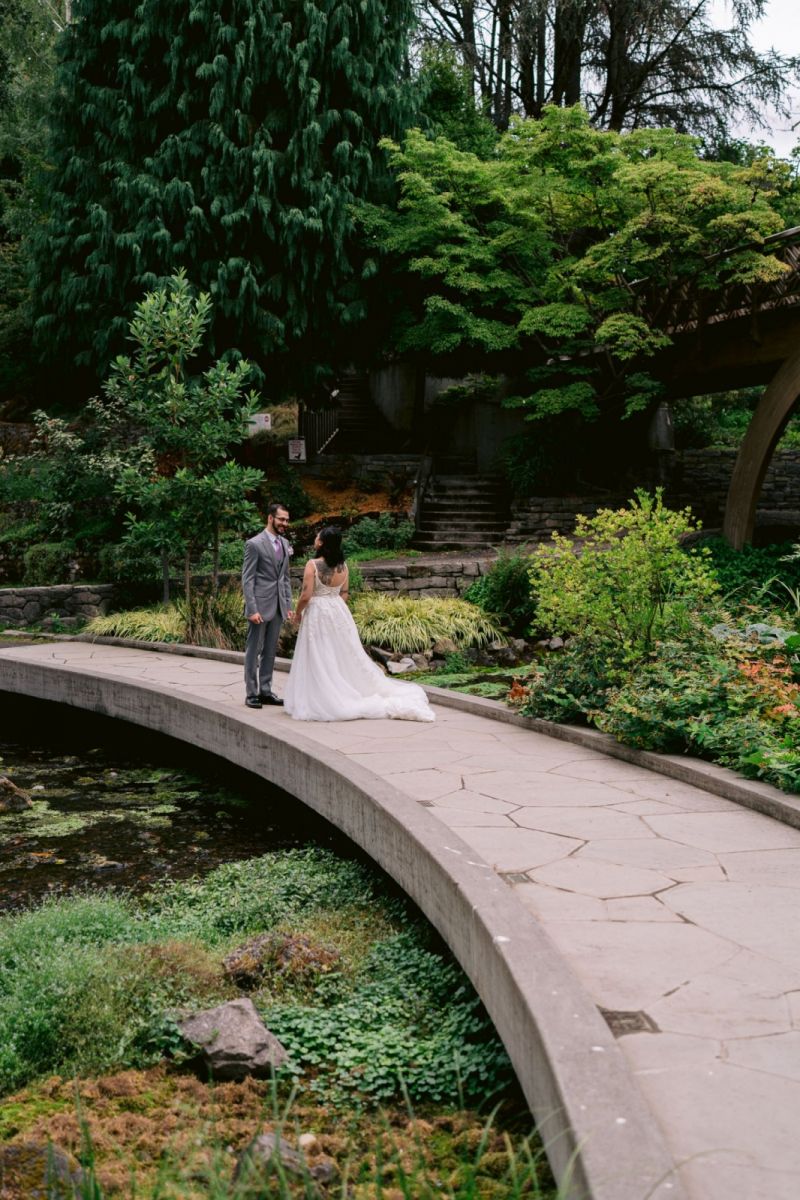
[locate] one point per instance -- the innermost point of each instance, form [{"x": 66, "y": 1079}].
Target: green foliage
[
  {"x": 257, "y": 894},
  {"x": 711, "y": 700},
  {"x": 447, "y": 98},
  {"x": 80, "y": 993},
  {"x": 505, "y": 590},
  {"x": 400, "y": 623},
  {"x": 629, "y": 581},
  {"x": 408, "y": 1023},
  {"x": 721, "y": 421},
  {"x": 162, "y": 623},
  {"x": 383, "y": 532},
  {"x": 745, "y": 576},
  {"x": 87, "y": 984},
  {"x": 214, "y": 618},
  {"x": 207, "y": 619},
  {"x": 553, "y": 262},
  {"x": 233, "y": 144},
  {"x": 48, "y": 563},
  {"x": 285, "y": 486},
  {"x": 185, "y": 490},
  {"x": 571, "y": 684}
]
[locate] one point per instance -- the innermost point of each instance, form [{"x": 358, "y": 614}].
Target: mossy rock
[{"x": 32, "y": 1171}]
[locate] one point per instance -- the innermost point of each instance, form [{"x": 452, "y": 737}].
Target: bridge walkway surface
[{"x": 678, "y": 911}]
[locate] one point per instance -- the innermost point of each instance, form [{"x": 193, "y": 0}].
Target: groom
[{"x": 267, "y": 603}]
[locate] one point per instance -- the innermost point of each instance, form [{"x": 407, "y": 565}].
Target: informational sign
[
  {"x": 297, "y": 450},
  {"x": 259, "y": 421}
]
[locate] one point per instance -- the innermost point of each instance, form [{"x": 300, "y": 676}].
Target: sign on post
[{"x": 297, "y": 450}]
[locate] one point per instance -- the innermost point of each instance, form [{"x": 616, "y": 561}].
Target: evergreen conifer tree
[{"x": 226, "y": 138}]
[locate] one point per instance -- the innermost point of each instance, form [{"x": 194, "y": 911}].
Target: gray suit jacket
[{"x": 265, "y": 579}]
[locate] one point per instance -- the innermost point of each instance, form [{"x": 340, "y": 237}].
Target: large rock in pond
[
  {"x": 232, "y": 1040},
  {"x": 33, "y": 1171},
  {"x": 12, "y": 798}
]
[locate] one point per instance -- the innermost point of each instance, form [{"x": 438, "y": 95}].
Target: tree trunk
[
  {"x": 569, "y": 32},
  {"x": 187, "y": 581},
  {"x": 215, "y": 564},
  {"x": 165, "y": 578}
]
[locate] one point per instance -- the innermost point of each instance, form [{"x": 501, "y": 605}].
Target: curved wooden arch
[{"x": 755, "y": 454}]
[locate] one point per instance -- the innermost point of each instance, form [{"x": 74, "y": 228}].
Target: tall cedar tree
[{"x": 229, "y": 139}]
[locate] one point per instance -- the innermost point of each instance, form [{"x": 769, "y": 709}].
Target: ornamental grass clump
[
  {"x": 206, "y": 620},
  {"x": 162, "y": 623},
  {"x": 412, "y": 626}
]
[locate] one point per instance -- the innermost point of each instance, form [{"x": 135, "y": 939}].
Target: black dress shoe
[
  {"x": 268, "y": 698},
  {"x": 253, "y": 702}
]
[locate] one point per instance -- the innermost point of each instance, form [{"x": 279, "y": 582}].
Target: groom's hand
[{"x": 256, "y": 619}]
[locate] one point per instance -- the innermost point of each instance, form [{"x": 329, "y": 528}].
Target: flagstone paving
[{"x": 678, "y": 910}]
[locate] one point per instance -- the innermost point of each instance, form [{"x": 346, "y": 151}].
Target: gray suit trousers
[{"x": 259, "y": 655}]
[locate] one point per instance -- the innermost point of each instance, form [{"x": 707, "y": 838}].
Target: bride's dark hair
[{"x": 331, "y": 546}]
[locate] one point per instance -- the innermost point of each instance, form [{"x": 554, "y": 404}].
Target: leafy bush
[
  {"x": 630, "y": 582},
  {"x": 572, "y": 684},
  {"x": 506, "y": 592},
  {"x": 383, "y": 532},
  {"x": 48, "y": 563},
  {"x": 407, "y": 625},
  {"x": 117, "y": 563},
  {"x": 284, "y": 486},
  {"x": 716, "y": 701}
]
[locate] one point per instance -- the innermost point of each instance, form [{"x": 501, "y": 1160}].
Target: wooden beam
[{"x": 763, "y": 434}]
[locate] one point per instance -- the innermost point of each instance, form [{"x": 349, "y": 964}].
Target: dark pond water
[{"x": 116, "y": 806}]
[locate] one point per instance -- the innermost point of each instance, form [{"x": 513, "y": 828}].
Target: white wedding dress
[{"x": 333, "y": 679}]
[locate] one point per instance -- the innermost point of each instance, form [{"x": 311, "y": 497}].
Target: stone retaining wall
[
  {"x": 442, "y": 577},
  {"x": 700, "y": 478},
  {"x": 70, "y": 603},
  {"x": 697, "y": 478},
  {"x": 74, "y": 603}
]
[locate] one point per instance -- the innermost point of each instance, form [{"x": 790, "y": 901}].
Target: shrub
[
  {"x": 383, "y": 532},
  {"x": 117, "y": 563},
  {"x": 718, "y": 701},
  {"x": 410, "y": 626},
  {"x": 48, "y": 563},
  {"x": 506, "y": 592},
  {"x": 629, "y": 581},
  {"x": 571, "y": 684}
]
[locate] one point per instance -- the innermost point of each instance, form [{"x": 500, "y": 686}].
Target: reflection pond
[
  {"x": 134, "y": 889},
  {"x": 116, "y": 806}
]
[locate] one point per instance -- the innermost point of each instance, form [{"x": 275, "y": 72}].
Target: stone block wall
[
  {"x": 701, "y": 478},
  {"x": 442, "y": 577},
  {"x": 69, "y": 602},
  {"x": 697, "y": 478}
]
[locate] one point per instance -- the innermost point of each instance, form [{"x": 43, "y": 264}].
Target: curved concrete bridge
[{"x": 635, "y": 939}]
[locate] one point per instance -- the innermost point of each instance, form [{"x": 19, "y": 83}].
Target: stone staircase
[
  {"x": 362, "y": 428},
  {"x": 462, "y": 511}
]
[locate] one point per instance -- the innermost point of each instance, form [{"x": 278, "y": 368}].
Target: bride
[{"x": 332, "y": 678}]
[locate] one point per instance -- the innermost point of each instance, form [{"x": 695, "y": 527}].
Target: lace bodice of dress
[{"x": 322, "y": 579}]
